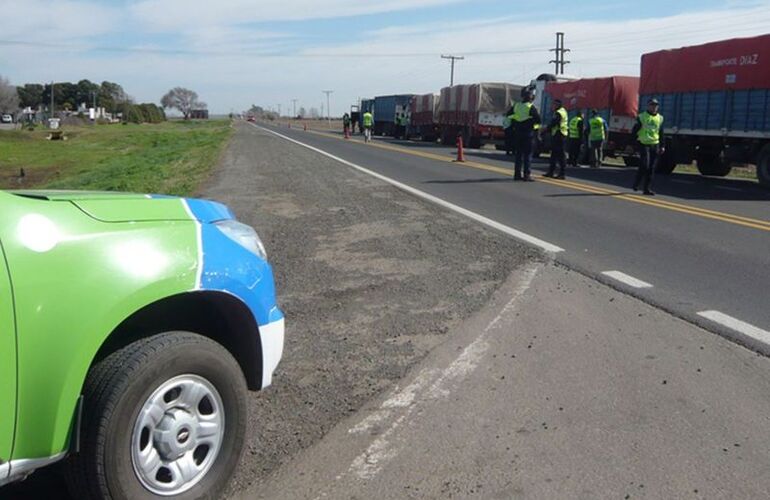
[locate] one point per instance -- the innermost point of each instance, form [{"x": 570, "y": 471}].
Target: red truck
[
  {"x": 476, "y": 112},
  {"x": 715, "y": 100},
  {"x": 424, "y": 117},
  {"x": 615, "y": 98}
]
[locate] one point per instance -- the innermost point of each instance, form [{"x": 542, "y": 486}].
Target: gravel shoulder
[{"x": 370, "y": 279}]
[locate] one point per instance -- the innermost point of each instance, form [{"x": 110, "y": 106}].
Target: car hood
[{"x": 110, "y": 206}]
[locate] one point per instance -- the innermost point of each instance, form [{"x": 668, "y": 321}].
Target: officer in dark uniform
[
  {"x": 525, "y": 121},
  {"x": 558, "y": 127}
]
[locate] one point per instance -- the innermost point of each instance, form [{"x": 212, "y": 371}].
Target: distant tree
[
  {"x": 112, "y": 97},
  {"x": 182, "y": 99},
  {"x": 30, "y": 95},
  {"x": 302, "y": 112},
  {"x": 85, "y": 92},
  {"x": 9, "y": 97}
]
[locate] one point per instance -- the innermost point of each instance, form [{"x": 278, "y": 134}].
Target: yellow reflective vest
[{"x": 649, "y": 132}]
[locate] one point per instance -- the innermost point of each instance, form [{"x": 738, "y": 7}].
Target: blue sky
[{"x": 235, "y": 53}]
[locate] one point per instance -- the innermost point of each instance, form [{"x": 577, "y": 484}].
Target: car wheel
[
  {"x": 712, "y": 164},
  {"x": 164, "y": 417}
]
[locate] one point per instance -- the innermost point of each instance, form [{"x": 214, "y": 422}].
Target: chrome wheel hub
[{"x": 177, "y": 435}]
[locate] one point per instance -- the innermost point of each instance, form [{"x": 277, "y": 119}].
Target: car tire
[{"x": 197, "y": 384}]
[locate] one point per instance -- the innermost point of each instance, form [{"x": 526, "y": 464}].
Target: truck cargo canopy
[
  {"x": 619, "y": 94},
  {"x": 738, "y": 64}
]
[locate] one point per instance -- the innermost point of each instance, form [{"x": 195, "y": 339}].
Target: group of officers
[{"x": 523, "y": 127}]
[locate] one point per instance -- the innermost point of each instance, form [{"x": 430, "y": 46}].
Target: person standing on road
[
  {"x": 559, "y": 131},
  {"x": 525, "y": 121},
  {"x": 575, "y": 138},
  {"x": 368, "y": 120},
  {"x": 596, "y": 136},
  {"x": 346, "y": 125},
  {"x": 508, "y": 129},
  {"x": 648, "y": 130}
]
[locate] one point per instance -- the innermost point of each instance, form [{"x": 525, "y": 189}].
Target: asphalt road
[
  {"x": 561, "y": 388},
  {"x": 701, "y": 243}
]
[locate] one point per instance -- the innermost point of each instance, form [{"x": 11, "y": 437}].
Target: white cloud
[
  {"x": 168, "y": 15},
  {"x": 56, "y": 20}
]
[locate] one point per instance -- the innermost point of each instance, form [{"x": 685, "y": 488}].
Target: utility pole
[
  {"x": 452, "y": 71},
  {"x": 559, "y": 62},
  {"x": 279, "y": 110},
  {"x": 51, "y": 98},
  {"x": 328, "y": 108},
  {"x": 294, "y": 102}
]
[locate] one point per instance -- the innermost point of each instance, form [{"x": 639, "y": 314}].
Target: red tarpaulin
[
  {"x": 740, "y": 64},
  {"x": 620, "y": 94}
]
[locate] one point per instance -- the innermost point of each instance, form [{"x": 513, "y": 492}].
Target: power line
[{"x": 452, "y": 71}]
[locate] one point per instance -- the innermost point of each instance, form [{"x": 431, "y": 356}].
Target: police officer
[
  {"x": 558, "y": 127},
  {"x": 525, "y": 120},
  {"x": 575, "y": 138},
  {"x": 597, "y": 134},
  {"x": 368, "y": 120},
  {"x": 648, "y": 130},
  {"x": 346, "y": 125}
]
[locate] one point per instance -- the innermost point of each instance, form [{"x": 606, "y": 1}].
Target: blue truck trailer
[
  {"x": 715, "y": 100},
  {"x": 387, "y": 109}
]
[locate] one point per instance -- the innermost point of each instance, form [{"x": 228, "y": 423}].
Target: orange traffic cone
[
  {"x": 460, "y": 151},
  {"x": 304, "y": 125}
]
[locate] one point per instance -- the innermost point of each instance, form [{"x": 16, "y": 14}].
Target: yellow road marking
[{"x": 579, "y": 186}]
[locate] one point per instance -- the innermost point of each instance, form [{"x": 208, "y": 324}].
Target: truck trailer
[
  {"x": 424, "y": 117},
  {"x": 715, "y": 100},
  {"x": 615, "y": 98},
  {"x": 387, "y": 109},
  {"x": 476, "y": 112}
]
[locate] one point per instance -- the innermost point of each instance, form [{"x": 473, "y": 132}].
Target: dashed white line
[
  {"x": 519, "y": 235},
  {"x": 626, "y": 279},
  {"x": 739, "y": 326}
]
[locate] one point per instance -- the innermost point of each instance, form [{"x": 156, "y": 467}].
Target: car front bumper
[{"x": 271, "y": 338}]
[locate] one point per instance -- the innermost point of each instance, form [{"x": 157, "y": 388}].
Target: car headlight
[{"x": 244, "y": 235}]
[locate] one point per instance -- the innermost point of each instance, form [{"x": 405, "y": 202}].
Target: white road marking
[
  {"x": 626, "y": 279},
  {"x": 430, "y": 384},
  {"x": 737, "y": 325},
  {"x": 519, "y": 235}
]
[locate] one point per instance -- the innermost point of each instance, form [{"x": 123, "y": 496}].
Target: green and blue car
[{"x": 131, "y": 329}]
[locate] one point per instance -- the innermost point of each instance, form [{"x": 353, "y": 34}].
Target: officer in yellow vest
[
  {"x": 648, "y": 130},
  {"x": 575, "y": 138},
  {"x": 597, "y": 134},
  {"x": 559, "y": 129},
  {"x": 526, "y": 119},
  {"x": 368, "y": 120}
]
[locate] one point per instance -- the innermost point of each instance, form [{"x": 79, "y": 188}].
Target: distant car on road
[
  {"x": 131, "y": 327},
  {"x": 251, "y": 119},
  {"x": 6, "y": 119}
]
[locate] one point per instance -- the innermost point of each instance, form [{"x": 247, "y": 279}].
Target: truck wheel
[
  {"x": 631, "y": 161},
  {"x": 164, "y": 417},
  {"x": 763, "y": 166},
  {"x": 713, "y": 164}
]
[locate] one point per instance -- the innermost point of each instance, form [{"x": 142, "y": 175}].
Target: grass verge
[{"x": 173, "y": 157}]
